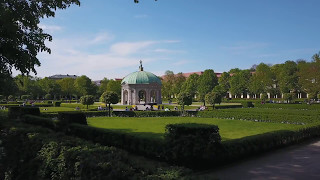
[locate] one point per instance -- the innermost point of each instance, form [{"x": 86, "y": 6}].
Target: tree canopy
[{"x": 21, "y": 38}]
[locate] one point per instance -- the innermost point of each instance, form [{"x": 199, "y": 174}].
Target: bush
[
  {"x": 19, "y": 112},
  {"x": 72, "y": 117},
  {"x": 189, "y": 141},
  {"x": 247, "y": 104},
  {"x": 25, "y": 97},
  {"x": 38, "y": 153},
  {"x": 47, "y": 97},
  {"x": 56, "y": 103}
]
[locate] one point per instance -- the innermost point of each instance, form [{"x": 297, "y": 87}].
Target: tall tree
[
  {"x": 309, "y": 77},
  {"x": 67, "y": 87},
  {"x": 287, "y": 77},
  {"x": 179, "y": 79},
  {"x": 103, "y": 86},
  {"x": 183, "y": 99},
  {"x": 50, "y": 86},
  {"x": 191, "y": 84},
  {"x": 224, "y": 83},
  {"x": 239, "y": 82},
  {"x": 21, "y": 37},
  {"x": 114, "y": 86},
  {"x": 84, "y": 86},
  {"x": 167, "y": 84},
  {"x": 213, "y": 98},
  {"x": 207, "y": 81},
  {"x": 262, "y": 80}
]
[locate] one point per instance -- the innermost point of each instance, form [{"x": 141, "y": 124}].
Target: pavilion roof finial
[{"x": 140, "y": 67}]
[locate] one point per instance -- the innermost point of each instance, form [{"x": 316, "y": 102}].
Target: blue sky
[{"x": 108, "y": 38}]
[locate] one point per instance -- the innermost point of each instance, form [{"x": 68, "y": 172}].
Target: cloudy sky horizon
[{"x": 109, "y": 38}]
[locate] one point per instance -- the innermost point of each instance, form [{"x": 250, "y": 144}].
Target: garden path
[{"x": 292, "y": 163}]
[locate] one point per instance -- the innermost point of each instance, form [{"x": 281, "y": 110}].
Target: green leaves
[{"x": 20, "y": 36}]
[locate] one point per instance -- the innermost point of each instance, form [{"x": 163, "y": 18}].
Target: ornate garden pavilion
[{"x": 140, "y": 88}]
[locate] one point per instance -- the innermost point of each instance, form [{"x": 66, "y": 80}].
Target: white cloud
[
  {"x": 168, "y": 51},
  {"x": 71, "y": 56},
  {"x": 102, "y": 37},
  {"x": 126, "y": 48}
]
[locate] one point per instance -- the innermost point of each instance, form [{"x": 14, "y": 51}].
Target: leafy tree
[
  {"x": 264, "y": 97},
  {"x": 20, "y": 35},
  {"x": 288, "y": 97},
  {"x": 109, "y": 97},
  {"x": 287, "y": 77},
  {"x": 49, "y": 86},
  {"x": 87, "y": 100},
  {"x": 191, "y": 84},
  {"x": 179, "y": 79},
  {"x": 114, "y": 86},
  {"x": 47, "y": 97},
  {"x": 103, "y": 86},
  {"x": 184, "y": 99},
  {"x": 84, "y": 86},
  {"x": 28, "y": 85},
  {"x": 213, "y": 98},
  {"x": 167, "y": 84},
  {"x": 207, "y": 81},
  {"x": 224, "y": 83},
  {"x": 67, "y": 87},
  {"x": 309, "y": 76},
  {"x": 7, "y": 85},
  {"x": 262, "y": 80},
  {"x": 239, "y": 82}
]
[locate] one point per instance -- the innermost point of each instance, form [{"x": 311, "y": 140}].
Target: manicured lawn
[
  {"x": 55, "y": 109},
  {"x": 155, "y": 127}
]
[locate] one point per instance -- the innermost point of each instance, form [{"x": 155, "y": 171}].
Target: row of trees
[
  {"x": 38, "y": 88},
  {"x": 291, "y": 77}
]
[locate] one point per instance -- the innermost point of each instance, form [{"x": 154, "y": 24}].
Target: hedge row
[
  {"x": 289, "y": 106},
  {"x": 29, "y": 152},
  {"x": 28, "y": 105},
  {"x": 190, "y": 150},
  {"x": 260, "y": 117}
]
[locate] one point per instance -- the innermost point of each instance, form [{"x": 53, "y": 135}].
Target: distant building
[{"x": 61, "y": 76}]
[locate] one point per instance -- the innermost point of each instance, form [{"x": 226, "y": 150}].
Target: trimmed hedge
[
  {"x": 29, "y": 152},
  {"x": 188, "y": 141},
  {"x": 19, "y": 112},
  {"x": 247, "y": 104},
  {"x": 27, "y": 105},
  {"x": 146, "y": 113},
  {"x": 289, "y": 106},
  {"x": 189, "y": 146},
  {"x": 72, "y": 117},
  {"x": 260, "y": 116},
  {"x": 56, "y": 103}
]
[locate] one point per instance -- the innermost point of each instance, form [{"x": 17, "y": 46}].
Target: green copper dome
[{"x": 141, "y": 77}]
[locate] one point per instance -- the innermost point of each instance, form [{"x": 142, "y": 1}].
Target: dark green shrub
[
  {"x": 56, "y": 103},
  {"x": 247, "y": 104},
  {"x": 47, "y": 97},
  {"x": 227, "y": 106},
  {"x": 189, "y": 141},
  {"x": 19, "y": 112},
  {"x": 25, "y": 97},
  {"x": 72, "y": 117}
]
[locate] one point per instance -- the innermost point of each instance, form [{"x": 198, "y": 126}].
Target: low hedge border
[
  {"x": 30, "y": 152},
  {"x": 289, "y": 106},
  {"x": 183, "y": 151}
]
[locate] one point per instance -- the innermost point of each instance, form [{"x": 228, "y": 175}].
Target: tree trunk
[
  {"x": 87, "y": 106},
  {"x": 109, "y": 110}
]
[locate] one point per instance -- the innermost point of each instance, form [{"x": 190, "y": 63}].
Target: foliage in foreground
[{"x": 37, "y": 153}]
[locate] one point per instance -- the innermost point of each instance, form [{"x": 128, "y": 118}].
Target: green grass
[
  {"x": 155, "y": 127},
  {"x": 55, "y": 109}
]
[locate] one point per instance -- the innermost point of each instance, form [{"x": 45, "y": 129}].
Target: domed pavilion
[{"x": 141, "y": 88}]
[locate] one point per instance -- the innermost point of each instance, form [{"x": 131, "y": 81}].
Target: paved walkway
[{"x": 291, "y": 163}]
